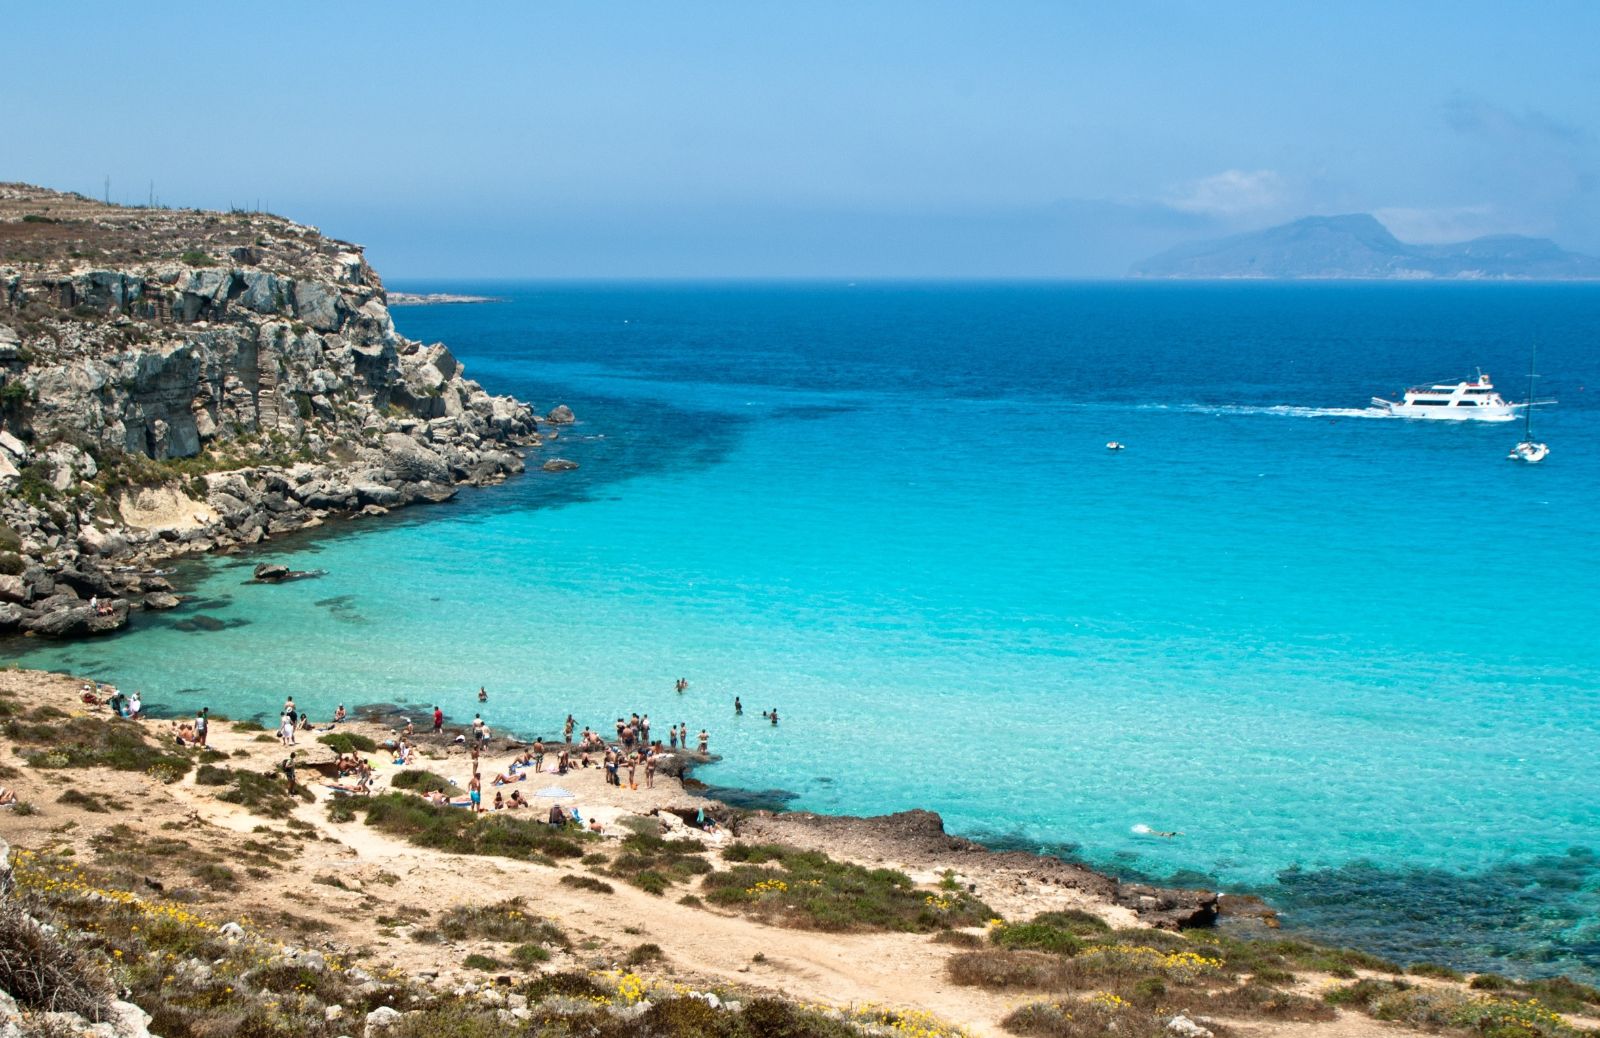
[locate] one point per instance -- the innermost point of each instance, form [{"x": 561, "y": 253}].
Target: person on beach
[
  {"x": 738, "y": 707},
  {"x": 339, "y": 715},
  {"x": 650, "y": 770},
  {"x": 438, "y": 720},
  {"x": 538, "y": 756},
  {"x": 7, "y": 797},
  {"x": 202, "y": 726},
  {"x": 475, "y": 793},
  {"x": 633, "y": 766},
  {"x": 516, "y": 800},
  {"x": 705, "y": 740},
  {"x": 288, "y": 767},
  {"x": 672, "y": 734},
  {"x": 479, "y": 732},
  {"x": 564, "y": 762},
  {"x": 285, "y": 730},
  {"x": 499, "y": 801},
  {"x": 506, "y": 778},
  {"x": 483, "y": 695},
  {"x": 135, "y": 707},
  {"x": 644, "y": 730},
  {"x": 683, "y": 735},
  {"x": 566, "y": 733}
]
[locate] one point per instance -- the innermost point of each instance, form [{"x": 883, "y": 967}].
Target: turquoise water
[{"x": 1355, "y": 661}]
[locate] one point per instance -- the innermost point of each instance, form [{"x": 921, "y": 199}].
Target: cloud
[
  {"x": 1432, "y": 226},
  {"x": 1233, "y": 192}
]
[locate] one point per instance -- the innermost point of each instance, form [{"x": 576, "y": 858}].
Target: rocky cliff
[{"x": 176, "y": 381}]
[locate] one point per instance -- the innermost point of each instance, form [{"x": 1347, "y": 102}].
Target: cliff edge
[{"x": 175, "y": 381}]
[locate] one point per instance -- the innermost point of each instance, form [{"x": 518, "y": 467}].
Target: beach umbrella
[{"x": 556, "y": 793}]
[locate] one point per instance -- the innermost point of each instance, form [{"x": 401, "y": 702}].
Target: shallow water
[{"x": 1356, "y": 662}]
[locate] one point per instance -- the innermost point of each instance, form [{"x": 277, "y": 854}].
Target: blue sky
[{"x": 916, "y": 139}]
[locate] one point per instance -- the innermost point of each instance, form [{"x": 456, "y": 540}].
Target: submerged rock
[{"x": 559, "y": 465}]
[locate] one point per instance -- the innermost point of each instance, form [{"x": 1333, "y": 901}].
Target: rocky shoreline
[{"x": 174, "y": 382}]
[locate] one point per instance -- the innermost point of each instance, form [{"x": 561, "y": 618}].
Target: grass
[
  {"x": 653, "y": 864},
  {"x": 506, "y": 922},
  {"x": 459, "y": 831},
  {"x": 477, "y": 961},
  {"x": 259, "y": 793},
  {"x": 810, "y": 890},
  {"x": 530, "y": 954},
  {"x": 348, "y": 742},
  {"x": 644, "y": 953},
  {"x": 599, "y": 886},
  {"x": 90, "y": 742},
  {"x": 423, "y": 781},
  {"x": 1453, "y": 1009},
  {"x": 98, "y": 805}
]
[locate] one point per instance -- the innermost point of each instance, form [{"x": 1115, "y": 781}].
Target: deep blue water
[{"x": 1355, "y": 661}]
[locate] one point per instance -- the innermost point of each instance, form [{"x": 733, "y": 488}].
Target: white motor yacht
[{"x": 1468, "y": 400}]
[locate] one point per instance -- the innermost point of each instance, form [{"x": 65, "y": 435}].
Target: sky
[{"x": 820, "y": 139}]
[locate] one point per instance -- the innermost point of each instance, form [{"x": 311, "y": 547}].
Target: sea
[{"x": 1352, "y": 662}]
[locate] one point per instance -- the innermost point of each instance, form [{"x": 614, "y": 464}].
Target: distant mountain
[{"x": 1358, "y": 246}]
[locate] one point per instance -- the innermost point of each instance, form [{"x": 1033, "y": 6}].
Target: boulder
[
  {"x": 271, "y": 572},
  {"x": 380, "y": 1020},
  {"x": 559, "y": 465},
  {"x": 561, "y": 414},
  {"x": 377, "y": 494},
  {"x": 161, "y": 600},
  {"x": 1183, "y": 1027},
  {"x": 10, "y": 616},
  {"x": 13, "y": 589},
  {"x": 317, "y": 306},
  {"x": 412, "y": 462},
  {"x": 95, "y": 541},
  {"x": 76, "y": 621}
]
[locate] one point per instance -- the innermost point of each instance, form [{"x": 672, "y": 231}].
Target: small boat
[
  {"x": 1529, "y": 451},
  {"x": 1115, "y": 446},
  {"x": 1472, "y": 399}
]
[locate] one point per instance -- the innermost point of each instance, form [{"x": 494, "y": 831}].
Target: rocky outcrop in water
[{"x": 183, "y": 381}]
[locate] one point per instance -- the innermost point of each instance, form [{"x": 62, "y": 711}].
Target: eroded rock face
[{"x": 254, "y": 347}]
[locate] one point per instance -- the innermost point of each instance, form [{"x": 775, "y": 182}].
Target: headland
[{"x": 182, "y": 381}]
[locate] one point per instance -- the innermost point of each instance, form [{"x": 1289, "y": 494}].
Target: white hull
[{"x": 1481, "y": 413}]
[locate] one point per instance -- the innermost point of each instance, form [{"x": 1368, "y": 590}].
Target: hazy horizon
[{"x": 887, "y": 141}]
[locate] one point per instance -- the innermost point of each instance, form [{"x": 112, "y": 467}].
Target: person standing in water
[{"x": 738, "y": 707}]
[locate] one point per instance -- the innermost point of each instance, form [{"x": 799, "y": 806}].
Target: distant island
[
  {"x": 1358, "y": 246},
  {"x": 431, "y": 298}
]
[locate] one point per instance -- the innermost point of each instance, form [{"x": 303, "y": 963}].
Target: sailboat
[{"x": 1529, "y": 451}]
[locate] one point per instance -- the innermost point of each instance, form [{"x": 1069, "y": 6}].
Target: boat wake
[{"x": 1281, "y": 410}]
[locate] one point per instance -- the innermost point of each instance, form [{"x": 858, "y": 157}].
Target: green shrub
[
  {"x": 1036, "y": 935},
  {"x": 197, "y": 258},
  {"x": 599, "y": 886},
  {"x": 423, "y": 781},
  {"x": 530, "y": 954},
  {"x": 1489, "y": 982},
  {"x": 482, "y": 962},
  {"x": 348, "y": 742},
  {"x": 459, "y": 831},
  {"x": 644, "y": 953},
  {"x": 810, "y": 890},
  {"x": 1428, "y": 969},
  {"x": 653, "y": 864},
  {"x": 505, "y": 921},
  {"x": 11, "y": 564}
]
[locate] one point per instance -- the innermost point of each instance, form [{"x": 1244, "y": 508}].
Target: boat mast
[{"x": 1527, "y": 412}]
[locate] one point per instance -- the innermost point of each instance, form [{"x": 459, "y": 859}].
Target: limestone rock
[
  {"x": 271, "y": 572},
  {"x": 1183, "y": 1027},
  {"x": 559, "y": 465},
  {"x": 161, "y": 600},
  {"x": 561, "y": 414},
  {"x": 380, "y": 1020}
]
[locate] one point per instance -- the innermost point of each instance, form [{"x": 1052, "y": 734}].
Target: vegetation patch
[
  {"x": 653, "y": 864},
  {"x": 808, "y": 889},
  {"x": 1451, "y": 1009},
  {"x": 460, "y": 831},
  {"x": 348, "y": 742},
  {"x": 599, "y": 886},
  {"x": 257, "y": 792},
  {"x": 89, "y": 742},
  {"x": 422, "y": 781}
]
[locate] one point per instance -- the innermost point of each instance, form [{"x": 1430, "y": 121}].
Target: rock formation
[{"x": 175, "y": 381}]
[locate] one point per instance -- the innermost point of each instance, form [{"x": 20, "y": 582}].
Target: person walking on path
[
  {"x": 288, "y": 772},
  {"x": 201, "y": 727}
]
